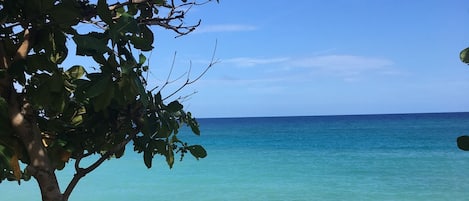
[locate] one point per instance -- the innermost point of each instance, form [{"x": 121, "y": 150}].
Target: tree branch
[
  {"x": 188, "y": 81},
  {"x": 81, "y": 172}
]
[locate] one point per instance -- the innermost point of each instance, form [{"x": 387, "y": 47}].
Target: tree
[
  {"x": 463, "y": 141},
  {"x": 51, "y": 114}
]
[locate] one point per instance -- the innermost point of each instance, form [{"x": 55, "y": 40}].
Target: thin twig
[{"x": 188, "y": 81}]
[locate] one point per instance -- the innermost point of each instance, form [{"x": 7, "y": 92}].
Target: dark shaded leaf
[
  {"x": 56, "y": 83},
  {"x": 104, "y": 99},
  {"x": 141, "y": 90},
  {"x": 5, "y": 127},
  {"x": 98, "y": 86},
  {"x": 163, "y": 132},
  {"x": 147, "y": 158},
  {"x": 151, "y": 125},
  {"x": 65, "y": 14},
  {"x": 174, "y": 106},
  {"x": 194, "y": 127},
  {"x": 17, "y": 69},
  {"x": 91, "y": 44},
  {"x": 125, "y": 24},
  {"x": 104, "y": 12},
  {"x": 197, "y": 151},
  {"x": 144, "y": 41},
  {"x": 463, "y": 142}
]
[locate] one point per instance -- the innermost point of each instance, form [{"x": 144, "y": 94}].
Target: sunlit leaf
[
  {"x": 464, "y": 55},
  {"x": 141, "y": 59},
  {"x": 76, "y": 72},
  {"x": 170, "y": 158}
]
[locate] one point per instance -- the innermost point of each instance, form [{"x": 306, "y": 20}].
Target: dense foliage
[{"x": 50, "y": 113}]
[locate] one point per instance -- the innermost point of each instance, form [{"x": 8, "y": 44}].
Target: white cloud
[
  {"x": 349, "y": 68},
  {"x": 249, "y": 61},
  {"x": 344, "y": 63},
  {"x": 225, "y": 28}
]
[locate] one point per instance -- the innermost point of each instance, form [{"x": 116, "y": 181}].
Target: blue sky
[{"x": 321, "y": 58}]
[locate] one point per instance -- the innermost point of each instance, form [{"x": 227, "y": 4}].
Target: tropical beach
[{"x": 234, "y": 100}]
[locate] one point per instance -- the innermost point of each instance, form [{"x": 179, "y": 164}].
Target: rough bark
[{"x": 26, "y": 128}]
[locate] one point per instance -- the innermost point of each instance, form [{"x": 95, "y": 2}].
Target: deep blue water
[{"x": 361, "y": 157}]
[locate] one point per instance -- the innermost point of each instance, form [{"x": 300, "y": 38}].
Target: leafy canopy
[{"x": 82, "y": 112}]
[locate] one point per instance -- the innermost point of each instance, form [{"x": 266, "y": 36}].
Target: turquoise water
[{"x": 367, "y": 157}]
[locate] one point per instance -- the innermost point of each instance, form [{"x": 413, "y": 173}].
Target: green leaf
[
  {"x": 464, "y": 55},
  {"x": 91, "y": 44},
  {"x": 104, "y": 99},
  {"x": 147, "y": 38},
  {"x": 141, "y": 90},
  {"x": 56, "y": 83},
  {"x": 197, "y": 151},
  {"x": 9, "y": 162},
  {"x": 120, "y": 152},
  {"x": 141, "y": 59},
  {"x": 66, "y": 14},
  {"x": 98, "y": 86},
  {"x": 76, "y": 72},
  {"x": 39, "y": 62},
  {"x": 163, "y": 132},
  {"x": 174, "y": 106},
  {"x": 125, "y": 24},
  {"x": 104, "y": 12},
  {"x": 170, "y": 158},
  {"x": 77, "y": 120},
  {"x": 17, "y": 69},
  {"x": 194, "y": 126},
  {"x": 151, "y": 125},
  {"x": 463, "y": 142},
  {"x": 160, "y": 146},
  {"x": 147, "y": 158},
  {"x": 58, "y": 49}
]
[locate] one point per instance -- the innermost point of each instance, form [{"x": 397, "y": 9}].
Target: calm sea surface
[{"x": 328, "y": 158}]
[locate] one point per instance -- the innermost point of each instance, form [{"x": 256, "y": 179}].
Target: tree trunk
[
  {"x": 40, "y": 167},
  {"x": 26, "y": 128}
]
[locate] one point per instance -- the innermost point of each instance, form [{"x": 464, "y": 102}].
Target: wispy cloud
[
  {"x": 225, "y": 28},
  {"x": 346, "y": 67},
  {"x": 250, "y": 61},
  {"x": 344, "y": 64}
]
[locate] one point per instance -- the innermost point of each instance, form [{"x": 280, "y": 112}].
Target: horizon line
[{"x": 333, "y": 115}]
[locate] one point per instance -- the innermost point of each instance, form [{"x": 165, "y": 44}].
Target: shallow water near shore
[{"x": 362, "y": 157}]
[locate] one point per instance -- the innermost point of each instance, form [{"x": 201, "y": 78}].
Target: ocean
[{"x": 404, "y": 157}]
